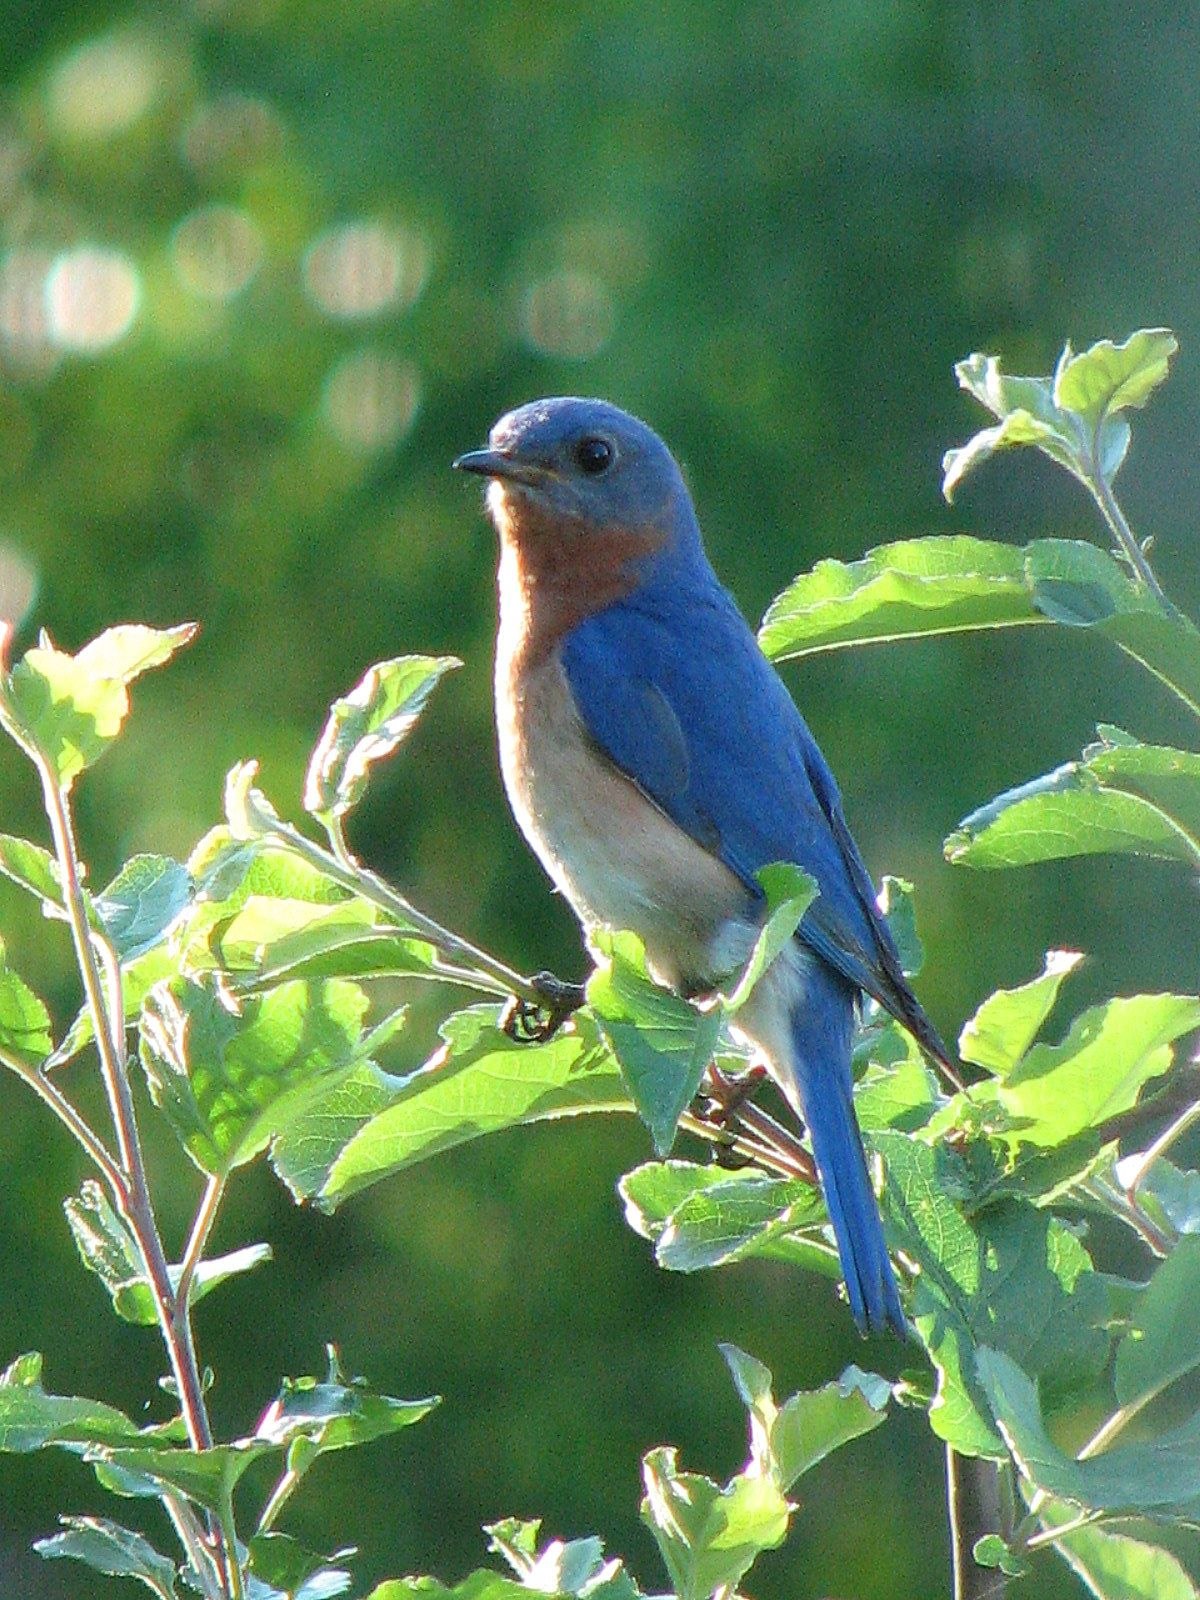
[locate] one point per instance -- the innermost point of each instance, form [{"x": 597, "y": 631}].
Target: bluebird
[{"x": 655, "y": 762}]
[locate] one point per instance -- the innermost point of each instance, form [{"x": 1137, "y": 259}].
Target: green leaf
[
  {"x": 1174, "y": 1192},
  {"x": 662, "y": 1043},
  {"x": 1110, "y": 377},
  {"x": 1164, "y": 1340},
  {"x": 945, "y": 585},
  {"x": 991, "y": 1551},
  {"x": 1140, "y": 799},
  {"x": 480, "y": 1585},
  {"x": 1012, "y": 1276},
  {"x": 898, "y": 905},
  {"x": 479, "y": 1082},
  {"x": 706, "y": 1216},
  {"x": 1018, "y": 427},
  {"x": 574, "y": 1567},
  {"x": 915, "y": 587},
  {"x": 288, "y": 1568},
  {"x": 24, "y": 1021},
  {"x": 230, "y": 1077},
  {"x": 141, "y": 902},
  {"x": 790, "y": 1440},
  {"x": 1158, "y": 1477},
  {"x": 304, "y": 1154},
  {"x": 72, "y": 707},
  {"x": 708, "y": 1536},
  {"x": 207, "y": 1477},
  {"x": 1111, "y": 1052},
  {"x": 108, "y": 1249},
  {"x": 109, "y": 1548},
  {"x": 31, "y": 1419},
  {"x": 33, "y": 868},
  {"x": 1008, "y": 1022},
  {"x": 746, "y": 1216},
  {"x": 335, "y": 1414},
  {"x": 1115, "y": 1566},
  {"x": 269, "y": 937},
  {"x": 897, "y": 1089},
  {"x": 367, "y": 725},
  {"x": 789, "y": 892}
]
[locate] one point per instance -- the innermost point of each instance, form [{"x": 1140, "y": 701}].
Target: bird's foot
[{"x": 534, "y": 1021}]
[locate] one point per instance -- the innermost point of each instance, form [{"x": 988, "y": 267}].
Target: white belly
[{"x": 618, "y": 859}]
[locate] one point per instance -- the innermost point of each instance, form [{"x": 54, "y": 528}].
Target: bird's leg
[
  {"x": 751, "y": 1133},
  {"x": 533, "y": 1022}
]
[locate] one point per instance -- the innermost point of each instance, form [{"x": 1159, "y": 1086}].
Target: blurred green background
[{"x": 265, "y": 267}]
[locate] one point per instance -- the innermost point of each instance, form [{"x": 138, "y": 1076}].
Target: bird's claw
[{"x": 533, "y": 1021}]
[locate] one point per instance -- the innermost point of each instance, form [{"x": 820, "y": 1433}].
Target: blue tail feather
[{"x": 821, "y": 1026}]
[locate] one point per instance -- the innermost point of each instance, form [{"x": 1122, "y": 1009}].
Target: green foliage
[{"x": 261, "y": 979}]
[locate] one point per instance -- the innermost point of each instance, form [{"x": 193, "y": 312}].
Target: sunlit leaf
[
  {"x": 1008, "y": 1022},
  {"x": 72, "y": 707},
  {"x": 1116, "y": 1566},
  {"x": 479, "y": 1082},
  {"x": 366, "y": 726},
  {"x": 24, "y": 1021},
  {"x": 1110, "y": 377},
  {"x": 34, "y": 868},
  {"x": 231, "y": 1076},
  {"x": 709, "y": 1536},
  {"x": 789, "y": 892},
  {"x": 292, "y": 1570}
]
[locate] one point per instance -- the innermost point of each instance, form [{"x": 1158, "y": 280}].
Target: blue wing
[{"x": 677, "y": 694}]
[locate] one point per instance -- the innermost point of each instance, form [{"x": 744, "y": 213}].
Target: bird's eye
[{"x": 594, "y": 454}]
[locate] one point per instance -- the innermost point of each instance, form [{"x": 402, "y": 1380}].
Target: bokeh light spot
[
  {"x": 24, "y": 315},
  {"x": 18, "y": 583},
  {"x": 371, "y": 399},
  {"x": 232, "y": 132},
  {"x": 104, "y": 86},
  {"x": 216, "y": 251},
  {"x": 568, "y": 314},
  {"x": 91, "y": 298},
  {"x": 363, "y": 268}
]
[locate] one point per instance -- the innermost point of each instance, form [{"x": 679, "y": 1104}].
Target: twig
[
  {"x": 133, "y": 1197},
  {"x": 973, "y": 1501}
]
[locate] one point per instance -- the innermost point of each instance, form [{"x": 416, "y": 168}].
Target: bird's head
[{"x": 578, "y": 468}]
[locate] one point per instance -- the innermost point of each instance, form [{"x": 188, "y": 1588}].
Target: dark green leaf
[
  {"x": 729, "y": 1221},
  {"x": 1157, "y": 1477},
  {"x": 662, "y": 1043},
  {"x": 479, "y": 1082},
  {"x": 230, "y": 1077},
  {"x": 113, "y": 1550},
  {"x": 1164, "y": 1340},
  {"x": 366, "y": 726},
  {"x": 335, "y": 1414},
  {"x": 898, "y": 905},
  {"x": 30, "y": 1418},
  {"x": 305, "y": 1152},
  {"x": 291, "y": 1570},
  {"x": 207, "y": 1477},
  {"x": 142, "y": 901}
]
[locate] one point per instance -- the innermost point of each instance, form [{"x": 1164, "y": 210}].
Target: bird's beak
[{"x": 495, "y": 464}]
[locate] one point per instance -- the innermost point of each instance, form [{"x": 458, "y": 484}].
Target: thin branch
[
  {"x": 51, "y": 1095},
  {"x": 1121, "y": 531},
  {"x": 1163, "y": 1143},
  {"x": 135, "y": 1203},
  {"x": 973, "y": 1503},
  {"x": 206, "y": 1215},
  {"x": 489, "y": 975}
]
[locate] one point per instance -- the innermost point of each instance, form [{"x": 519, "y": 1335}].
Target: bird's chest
[{"x": 614, "y": 854}]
